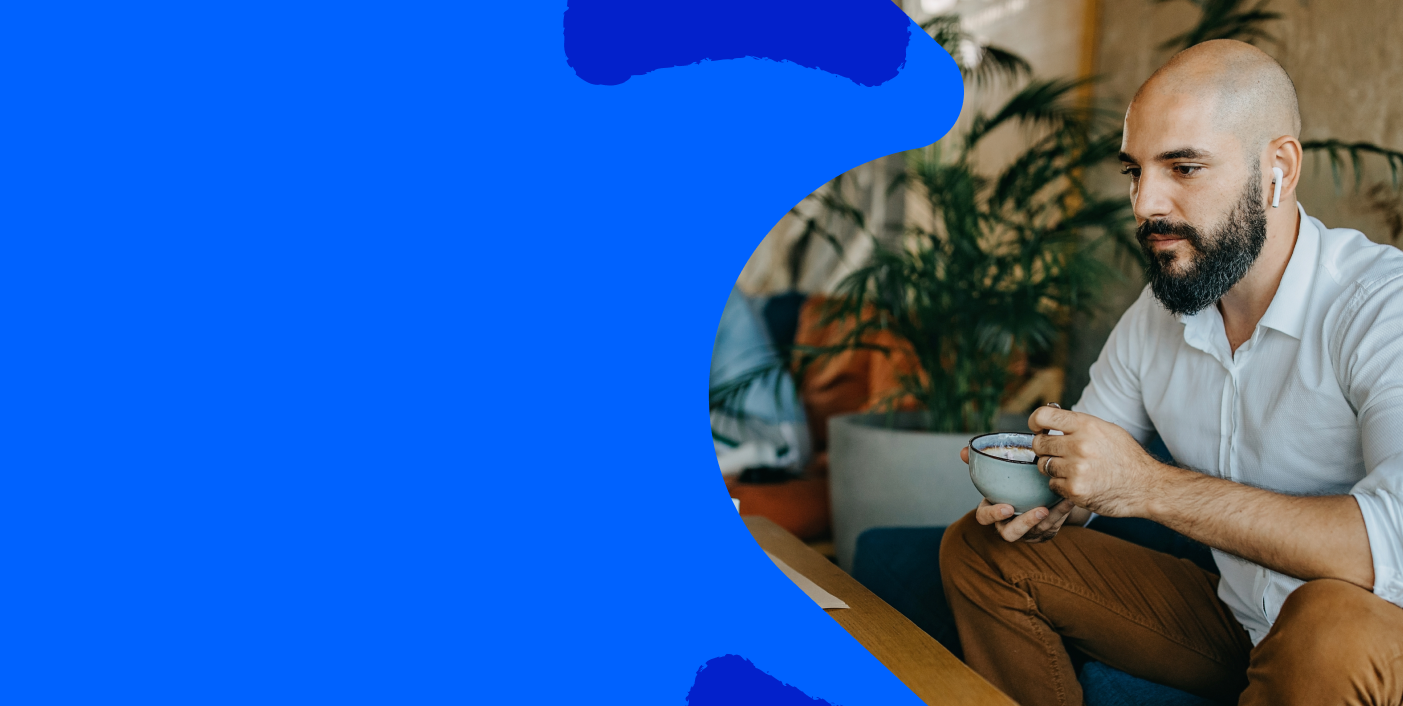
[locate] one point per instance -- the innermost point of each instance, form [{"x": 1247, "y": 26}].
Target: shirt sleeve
[
  {"x": 1114, "y": 391},
  {"x": 1368, "y": 355}
]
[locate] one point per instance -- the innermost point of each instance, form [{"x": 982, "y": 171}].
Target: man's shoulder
[
  {"x": 1360, "y": 266},
  {"x": 1364, "y": 312},
  {"x": 1367, "y": 291}
]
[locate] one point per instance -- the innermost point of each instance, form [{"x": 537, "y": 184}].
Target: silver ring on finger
[{"x": 1047, "y": 467}]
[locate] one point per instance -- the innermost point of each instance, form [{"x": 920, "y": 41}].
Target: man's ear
[{"x": 1285, "y": 153}]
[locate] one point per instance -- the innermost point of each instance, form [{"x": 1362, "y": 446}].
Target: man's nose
[{"x": 1151, "y": 198}]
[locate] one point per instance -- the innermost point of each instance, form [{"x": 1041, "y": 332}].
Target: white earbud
[{"x": 1276, "y": 176}]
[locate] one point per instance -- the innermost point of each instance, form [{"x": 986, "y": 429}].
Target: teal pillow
[{"x": 770, "y": 431}]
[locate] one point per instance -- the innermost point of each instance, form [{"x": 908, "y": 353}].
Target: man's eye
[
  {"x": 1187, "y": 169},
  {"x": 1134, "y": 172}
]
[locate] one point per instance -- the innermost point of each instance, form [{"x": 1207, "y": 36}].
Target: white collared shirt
[{"x": 1311, "y": 404}]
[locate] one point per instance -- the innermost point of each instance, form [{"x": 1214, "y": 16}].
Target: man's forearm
[
  {"x": 1099, "y": 466},
  {"x": 1304, "y": 537}
]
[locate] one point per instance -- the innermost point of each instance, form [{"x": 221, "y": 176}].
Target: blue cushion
[
  {"x": 900, "y": 565},
  {"x": 771, "y": 432},
  {"x": 743, "y": 344},
  {"x": 1104, "y": 686}
]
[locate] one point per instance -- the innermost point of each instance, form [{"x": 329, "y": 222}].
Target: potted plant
[
  {"x": 987, "y": 276},
  {"x": 991, "y": 273}
]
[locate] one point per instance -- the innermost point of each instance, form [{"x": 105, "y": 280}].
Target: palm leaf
[
  {"x": 997, "y": 268},
  {"x": 995, "y": 64},
  {"x": 1040, "y": 103},
  {"x": 1356, "y": 150},
  {"x": 730, "y": 396},
  {"x": 1225, "y": 19},
  {"x": 990, "y": 63}
]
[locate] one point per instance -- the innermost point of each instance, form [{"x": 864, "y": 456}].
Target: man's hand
[
  {"x": 1096, "y": 464},
  {"x": 1037, "y": 525}
]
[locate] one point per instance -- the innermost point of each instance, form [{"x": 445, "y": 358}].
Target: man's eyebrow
[
  {"x": 1125, "y": 157},
  {"x": 1184, "y": 153}
]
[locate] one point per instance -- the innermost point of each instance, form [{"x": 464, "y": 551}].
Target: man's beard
[{"x": 1216, "y": 264}]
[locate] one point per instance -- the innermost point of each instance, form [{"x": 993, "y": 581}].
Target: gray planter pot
[{"x": 895, "y": 476}]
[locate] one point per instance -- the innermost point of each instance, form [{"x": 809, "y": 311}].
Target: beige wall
[{"x": 768, "y": 272}]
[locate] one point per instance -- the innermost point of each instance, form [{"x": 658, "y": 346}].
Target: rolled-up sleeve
[
  {"x": 1368, "y": 350},
  {"x": 1383, "y": 520}
]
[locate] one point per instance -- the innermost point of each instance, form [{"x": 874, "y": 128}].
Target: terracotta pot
[{"x": 799, "y": 505}]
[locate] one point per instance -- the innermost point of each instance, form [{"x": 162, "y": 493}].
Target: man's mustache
[{"x": 1170, "y": 228}]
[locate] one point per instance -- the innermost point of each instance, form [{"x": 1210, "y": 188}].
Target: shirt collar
[{"x": 1287, "y": 312}]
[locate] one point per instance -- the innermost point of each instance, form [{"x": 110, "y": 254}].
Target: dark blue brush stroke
[
  {"x": 609, "y": 41},
  {"x": 732, "y": 680}
]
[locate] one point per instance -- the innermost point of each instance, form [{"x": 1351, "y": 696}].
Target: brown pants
[{"x": 1158, "y": 618}]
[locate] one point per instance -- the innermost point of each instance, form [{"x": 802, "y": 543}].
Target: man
[{"x": 1267, "y": 351}]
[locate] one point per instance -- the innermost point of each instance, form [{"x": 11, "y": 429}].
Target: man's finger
[
  {"x": 1060, "y": 511},
  {"x": 1014, "y": 529},
  {"x": 1063, "y": 420},
  {"x": 988, "y": 513},
  {"x": 1049, "y": 445},
  {"x": 1056, "y": 515},
  {"x": 1046, "y": 465},
  {"x": 964, "y": 454},
  {"x": 1047, "y": 529}
]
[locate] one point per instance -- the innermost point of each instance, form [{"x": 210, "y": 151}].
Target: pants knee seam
[
  {"x": 1041, "y": 631},
  {"x": 1055, "y": 582}
]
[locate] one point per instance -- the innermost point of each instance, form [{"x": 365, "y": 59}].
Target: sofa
[{"x": 900, "y": 565}]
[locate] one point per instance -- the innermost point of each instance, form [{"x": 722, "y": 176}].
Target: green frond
[
  {"x": 1043, "y": 102},
  {"x": 729, "y": 397},
  {"x": 835, "y": 203},
  {"x": 998, "y": 266},
  {"x": 1356, "y": 151},
  {"x": 1225, "y": 19},
  {"x": 899, "y": 183},
  {"x": 946, "y": 30},
  {"x": 991, "y": 64},
  {"x": 996, "y": 64}
]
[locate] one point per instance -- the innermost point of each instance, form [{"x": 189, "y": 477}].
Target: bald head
[
  {"x": 1246, "y": 91},
  {"x": 1210, "y": 139}
]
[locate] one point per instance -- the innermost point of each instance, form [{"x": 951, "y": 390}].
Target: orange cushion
[{"x": 800, "y": 505}]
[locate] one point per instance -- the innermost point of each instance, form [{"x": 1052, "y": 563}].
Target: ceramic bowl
[{"x": 1005, "y": 481}]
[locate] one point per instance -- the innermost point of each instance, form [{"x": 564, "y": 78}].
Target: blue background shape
[
  {"x": 731, "y": 680},
  {"x": 358, "y": 354},
  {"x": 608, "y": 41}
]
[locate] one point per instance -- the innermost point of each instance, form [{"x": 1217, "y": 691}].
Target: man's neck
[{"x": 1246, "y": 303}]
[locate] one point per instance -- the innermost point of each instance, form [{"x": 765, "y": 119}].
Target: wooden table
[{"x": 920, "y": 662}]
